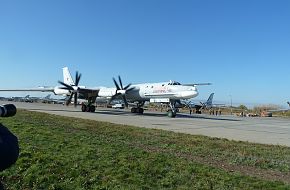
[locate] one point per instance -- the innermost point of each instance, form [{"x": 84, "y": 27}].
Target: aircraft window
[{"x": 174, "y": 83}]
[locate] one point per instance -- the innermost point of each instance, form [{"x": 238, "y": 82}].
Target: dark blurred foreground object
[
  {"x": 9, "y": 149},
  {"x": 7, "y": 110}
]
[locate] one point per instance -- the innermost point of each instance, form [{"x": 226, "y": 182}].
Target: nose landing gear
[{"x": 172, "y": 112}]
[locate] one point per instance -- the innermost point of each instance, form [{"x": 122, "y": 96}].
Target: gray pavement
[{"x": 259, "y": 130}]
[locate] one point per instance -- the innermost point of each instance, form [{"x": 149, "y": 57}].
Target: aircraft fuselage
[{"x": 147, "y": 91}]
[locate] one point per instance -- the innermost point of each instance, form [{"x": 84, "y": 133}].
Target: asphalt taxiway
[{"x": 258, "y": 130}]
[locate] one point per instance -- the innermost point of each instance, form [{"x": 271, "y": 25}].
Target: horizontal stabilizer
[{"x": 197, "y": 84}]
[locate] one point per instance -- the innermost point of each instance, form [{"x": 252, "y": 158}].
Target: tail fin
[
  {"x": 47, "y": 97},
  {"x": 209, "y": 100},
  {"x": 67, "y": 76},
  {"x": 288, "y": 103}
]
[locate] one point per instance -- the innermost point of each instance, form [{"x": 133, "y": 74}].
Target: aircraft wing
[
  {"x": 190, "y": 104},
  {"x": 218, "y": 105},
  {"x": 196, "y": 106},
  {"x": 279, "y": 110},
  {"x": 40, "y": 89},
  {"x": 89, "y": 92}
]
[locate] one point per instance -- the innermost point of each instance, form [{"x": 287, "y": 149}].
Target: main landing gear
[
  {"x": 88, "y": 107},
  {"x": 138, "y": 109}
]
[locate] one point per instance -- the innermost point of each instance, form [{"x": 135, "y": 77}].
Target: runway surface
[{"x": 259, "y": 130}]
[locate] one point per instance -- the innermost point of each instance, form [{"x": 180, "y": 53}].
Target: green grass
[{"x": 67, "y": 153}]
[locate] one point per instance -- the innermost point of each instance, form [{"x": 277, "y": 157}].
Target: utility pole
[{"x": 231, "y": 105}]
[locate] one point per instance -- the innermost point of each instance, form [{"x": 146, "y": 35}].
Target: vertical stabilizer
[
  {"x": 67, "y": 76},
  {"x": 288, "y": 103},
  {"x": 209, "y": 100},
  {"x": 47, "y": 97}
]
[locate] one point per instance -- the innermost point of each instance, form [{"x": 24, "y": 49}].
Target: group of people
[
  {"x": 211, "y": 111},
  {"x": 215, "y": 112}
]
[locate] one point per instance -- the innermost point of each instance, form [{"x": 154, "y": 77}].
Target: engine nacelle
[
  {"x": 107, "y": 92},
  {"x": 58, "y": 91}
]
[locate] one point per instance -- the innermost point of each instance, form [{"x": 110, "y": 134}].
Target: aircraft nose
[
  {"x": 189, "y": 94},
  {"x": 194, "y": 91}
]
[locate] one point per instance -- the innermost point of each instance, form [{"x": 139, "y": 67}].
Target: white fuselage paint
[{"x": 147, "y": 91}]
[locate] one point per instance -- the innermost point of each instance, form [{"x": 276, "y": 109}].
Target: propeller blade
[
  {"x": 78, "y": 77},
  {"x": 123, "y": 89},
  {"x": 69, "y": 99},
  {"x": 130, "y": 89},
  {"x": 76, "y": 99},
  {"x": 126, "y": 87},
  {"x": 112, "y": 98},
  {"x": 64, "y": 88},
  {"x": 66, "y": 85},
  {"x": 116, "y": 84},
  {"x": 120, "y": 82},
  {"x": 125, "y": 101}
]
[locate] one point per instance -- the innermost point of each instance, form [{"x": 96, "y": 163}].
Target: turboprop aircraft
[{"x": 170, "y": 93}]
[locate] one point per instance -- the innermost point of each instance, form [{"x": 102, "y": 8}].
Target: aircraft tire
[
  {"x": 84, "y": 108},
  {"x": 92, "y": 108},
  {"x": 140, "y": 110},
  {"x": 171, "y": 114},
  {"x": 133, "y": 110}
]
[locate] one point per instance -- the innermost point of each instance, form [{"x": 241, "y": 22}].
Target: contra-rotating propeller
[
  {"x": 121, "y": 91},
  {"x": 73, "y": 89}
]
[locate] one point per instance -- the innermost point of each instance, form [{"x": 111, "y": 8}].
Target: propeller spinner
[{"x": 73, "y": 89}]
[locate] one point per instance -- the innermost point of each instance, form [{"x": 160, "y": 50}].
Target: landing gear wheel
[
  {"x": 171, "y": 114},
  {"x": 133, "y": 110},
  {"x": 92, "y": 109},
  {"x": 137, "y": 110},
  {"x": 140, "y": 110},
  {"x": 84, "y": 108}
]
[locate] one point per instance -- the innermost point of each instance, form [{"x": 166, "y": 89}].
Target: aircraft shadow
[
  {"x": 162, "y": 114},
  {"x": 55, "y": 110},
  {"x": 125, "y": 112},
  {"x": 219, "y": 118}
]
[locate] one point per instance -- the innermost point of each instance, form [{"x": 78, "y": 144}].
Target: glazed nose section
[{"x": 190, "y": 93}]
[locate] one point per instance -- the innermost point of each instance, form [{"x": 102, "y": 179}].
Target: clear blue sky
[{"x": 241, "y": 46}]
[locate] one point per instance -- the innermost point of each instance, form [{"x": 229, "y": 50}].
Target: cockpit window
[{"x": 174, "y": 83}]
